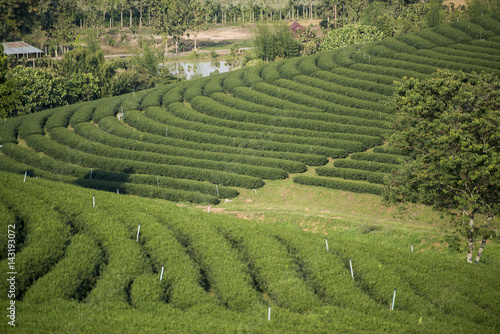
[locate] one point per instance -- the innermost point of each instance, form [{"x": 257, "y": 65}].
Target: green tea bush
[
  {"x": 385, "y": 149},
  {"x": 488, "y": 23},
  {"x": 147, "y": 291},
  {"x": 64, "y": 153},
  {"x": 233, "y": 80},
  {"x": 195, "y": 89},
  {"x": 106, "y": 107},
  {"x": 273, "y": 269},
  {"x": 214, "y": 85},
  {"x": 92, "y": 133},
  {"x": 473, "y": 47},
  {"x": 308, "y": 64},
  {"x": 449, "y": 32},
  {"x": 289, "y": 69},
  {"x": 394, "y": 63},
  {"x": 255, "y": 108},
  {"x": 393, "y": 44},
  {"x": 133, "y": 100},
  {"x": 252, "y": 75},
  {"x": 352, "y": 174},
  {"x": 46, "y": 234},
  {"x": 395, "y": 72},
  {"x": 153, "y": 98},
  {"x": 494, "y": 47},
  {"x": 9, "y": 129},
  {"x": 61, "y": 116},
  {"x": 270, "y": 72},
  {"x": 471, "y": 56},
  {"x": 255, "y": 96},
  {"x": 354, "y": 186},
  {"x": 73, "y": 276},
  {"x": 386, "y": 81},
  {"x": 416, "y": 41},
  {"x": 475, "y": 31},
  {"x": 174, "y": 94},
  {"x": 342, "y": 89},
  {"x": 83, "y": 113},
  {"x": 326, "y": 60},
  {"x": 209, "y": 134},
  {"x": 304, "y": 98},
  {"x": 435, "y": 38},
  {"x": 34, "y": 124},
  {"x": 366, "y": 165},
  {"x": 210, "y": 107},
  {"x": 378, "y": 157},
  {"x": 378, "y": 89},
  {"x": 451, "y": 62},
  {"x": 111, "y": 125}
]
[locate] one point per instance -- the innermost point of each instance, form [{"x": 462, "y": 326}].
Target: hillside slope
[{"x": 200, "y": 141}]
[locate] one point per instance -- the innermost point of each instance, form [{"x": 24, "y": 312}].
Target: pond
[{"x": 188, "y": 68}]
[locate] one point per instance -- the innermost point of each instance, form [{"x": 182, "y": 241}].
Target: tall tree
[{"x": 450, "y": 127}]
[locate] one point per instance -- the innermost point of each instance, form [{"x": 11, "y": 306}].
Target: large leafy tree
[{"x": 450, "y": 127}]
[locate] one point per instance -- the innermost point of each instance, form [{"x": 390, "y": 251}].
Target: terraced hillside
[
  {"x": 90, "y": 261},
  {"x": 199, "y": 141}
]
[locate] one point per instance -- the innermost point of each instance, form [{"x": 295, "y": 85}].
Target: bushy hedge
[
  {"x": 355, "y": 79},
  {"x": 255, "y": 96},
  {"x": 475, "y": 31},
  {"x": 394, "y": 72},
  {"x": 386, "y": 81},
  {"x": 106, "y": 107},
  {"x": 61, "y": 116},
  {"x": 83, "y": 113},
  {"x": 390, "y": 45},
  {"x": 252, "y": 75},
  {"x": 435, "y": 38},
  {"x": 69, "y": 138},
  {"x": 210, "y": 134},
  {"x": 366, "y": 165},
  {"x": 222, "y": 266},
  {"x": 342, "y": 88},
  {"x": 153, "y": 98},
  {"x": 393, "y": 63},
  {"x": 133, "y": 100},
  {"x": 308, "y": 100},
  {"x": 289, "y": 69},
  {"x": 488, "y": 23},
  {"x": 214, "y": 85},
  {"x": 172, "y": 95},
  {"x": 270, "y": 72},
  {"x": 352, "y": 174},
  {"x": 378, "y": 157},
  {"x": 132, "y": 184},
  {"x": 308, "y": 64},
  {"x": 449, "y": 32},
  {"x": 273, "y": 268},
  {"x": 385, "y": 149},
  {"x": 64, "y": 153},
  {"x": 233, "y": 79},
  {"x": 471, "y": 56},
  {"x": 195, "y": 88},
  {"x": 73, "y": 276},
  {"x": 92, "y": 133},
  {"x": 9, "y": 129},
  {"x": 284, "y": 125},
  {"x": 255, "y": 108},
  {"x": 34, "y": 123},
  {"x": 328, "y": 60},
  {"x": 474, "y": 48},
  {"x": 45, "y": 232},
  {"x": 416, "y": 41},
  {"x": 354, "y": 186},
  {"x": 111, "y": 125}
]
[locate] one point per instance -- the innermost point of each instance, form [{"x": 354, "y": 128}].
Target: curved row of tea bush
[
  {"x": 61, "y": 152},
  {"x": 259, "y": 109},
  {"x": 353, "y": 186},
  {"x": 352, "y": 174},
  {"x": 145, "y": 124},
  {"x": 112, "y": 126},
  {"x": 69, "y": 138},
  {"x": 92, "y": 133}
]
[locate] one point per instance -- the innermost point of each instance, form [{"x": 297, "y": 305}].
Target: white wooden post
[
  {"x": 326, "y": 242},
  {"x": 161, "y": 275},
  {"x": 138, "y": 230},
  {"x": 269, "y": 314},
  {"x": 352, "y": 273},
  {"x": 393, "y": 299},
  {"x": 25, "y": 174}
]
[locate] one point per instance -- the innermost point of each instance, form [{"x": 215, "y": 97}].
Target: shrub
[
  {"x": 352, "y": 174},
  {"x": 354, "y": 186}
]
